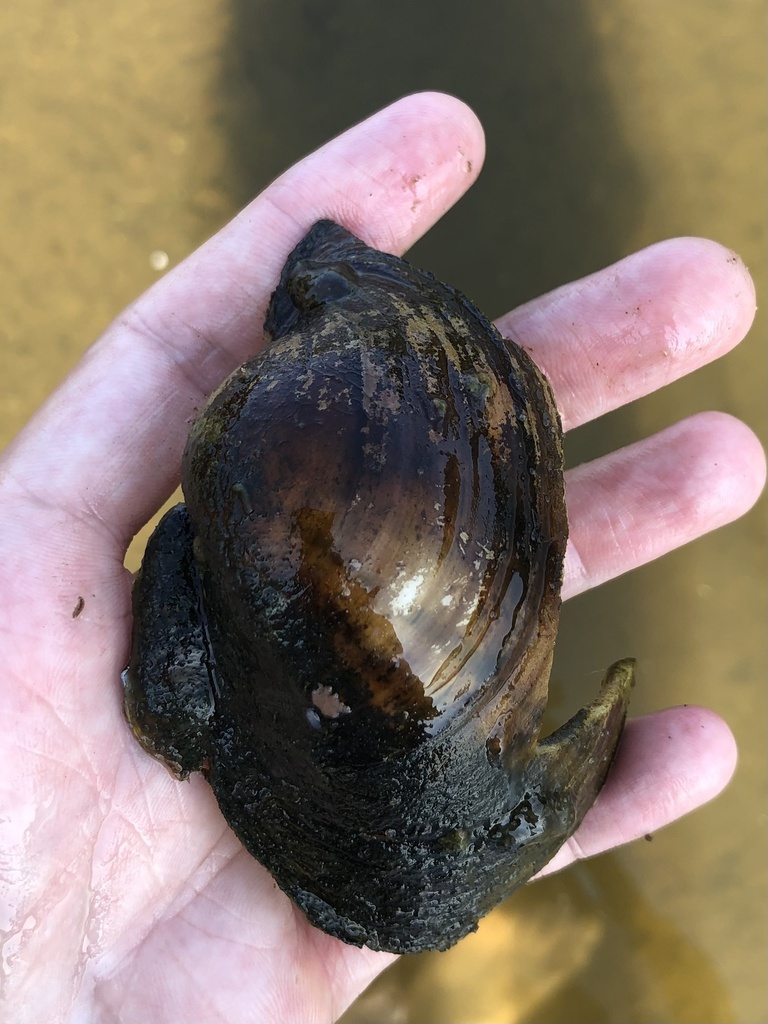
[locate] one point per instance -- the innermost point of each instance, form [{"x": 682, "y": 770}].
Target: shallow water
[{"x": 129, "y": 133}]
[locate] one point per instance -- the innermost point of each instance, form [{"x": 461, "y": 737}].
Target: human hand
[{"x": 125, "y": 896}]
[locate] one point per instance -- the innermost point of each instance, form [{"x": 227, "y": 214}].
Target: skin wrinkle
[
  {"x": 178, "y": 360},
  {"x": 304, "y": 939},
  {"x": 50, "y": 614},
  {"x": 179, "y": 955},
  {"x": 589, "y": 576},
  {"x": 675, "y": 793},
  {"x": 192, "y": 346},
  {"x": 575, "y": 849},
  {"x": 65, "y": 868},
  {"x": 576, "y": 575},
  {"x": 272, "y": 200},
  {"x": 92, "y": 922},
  {"x": 91, "y": 509},
  {"x": 681, "y": 505},
  {"x": 40, "y": 701},
  {"x": 41, "y": 704},
  {"x": 131, "y": 827},
  {"x": 166, "y": 917},
  {"x": 17, "y": 913},
  {"x": 178, "y": 815},
  {"x": 210, "y": 933},
  {"x": 719, "y": 325},
  {"x": 33, "y": 636},
  {"x": 139, "y": 791},
  {"x": 232, "y": 915},
  {"x": 104, "y": 967},
  {"x": 83, "y": 514},
  {"x": 201, "y": 996},
  {"x": 23, "y": 748},
  {"x": 171, "y": 899},
  {"x": 219, "y": 905},
  {"x": 155, "y": 827},
  {"x": 192, "y": 891}
]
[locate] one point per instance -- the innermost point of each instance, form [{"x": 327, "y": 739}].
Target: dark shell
[{"x": 349, "y": 627}]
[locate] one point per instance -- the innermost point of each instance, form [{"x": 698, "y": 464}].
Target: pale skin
[{"x": 124, "y": 895}]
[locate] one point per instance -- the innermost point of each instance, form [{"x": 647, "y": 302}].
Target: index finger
[{"x": 108, "y": 443}]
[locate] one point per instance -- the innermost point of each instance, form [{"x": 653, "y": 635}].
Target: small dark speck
[
  {"x": 78, "y": 607},
  {"x": 648, "y": 838}
]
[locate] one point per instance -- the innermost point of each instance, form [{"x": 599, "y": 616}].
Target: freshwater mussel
[{"x": 349, "y": 626}]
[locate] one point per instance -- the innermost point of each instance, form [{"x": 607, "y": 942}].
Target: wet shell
[{"x": 349, "y": 627}]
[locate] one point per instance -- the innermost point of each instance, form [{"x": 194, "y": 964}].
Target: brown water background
[{"x": 130, "y": 131}]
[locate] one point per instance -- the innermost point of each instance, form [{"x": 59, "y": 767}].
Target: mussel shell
[{"x": 378, "y": 520}]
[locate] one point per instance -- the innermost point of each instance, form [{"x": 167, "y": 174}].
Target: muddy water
[{"x": 129, "y": 132}]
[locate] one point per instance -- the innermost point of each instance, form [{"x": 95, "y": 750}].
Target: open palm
[{"x": 124, "y": 896}]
